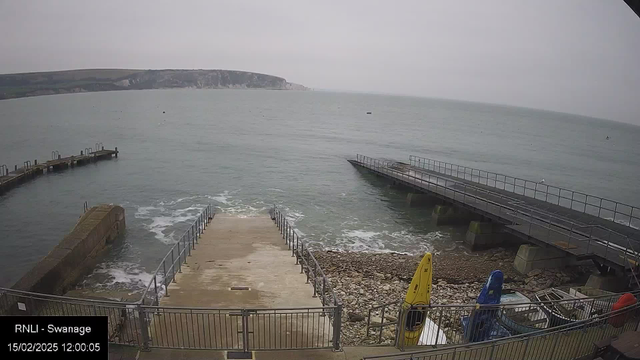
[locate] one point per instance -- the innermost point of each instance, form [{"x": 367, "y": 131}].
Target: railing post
[
  {"x": 438, "y": 328},
  {"x": 302, "y": 256},
  {"x": 324, "y": 283},
  {"x": 186, "y": 247},
  {"x": 493, "y": 347},
  {"x": 155, "y": 288},
  {"x": 195, "y": 231},
  {"x": 245, "y": 330},
  {"x": 337, "y": 326},
  {"x": 600, "y": 207},
  {"x": 173, "y": 264},
  {"x": 526, "y": 347},
  {"x": 144, "y": 329},
  {"x": 164, "y": 279}
]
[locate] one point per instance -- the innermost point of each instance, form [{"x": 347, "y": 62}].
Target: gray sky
[{"x": 577, "y": 56}]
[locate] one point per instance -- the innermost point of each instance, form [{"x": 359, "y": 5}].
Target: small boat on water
[{"x": 520, "y": 316}]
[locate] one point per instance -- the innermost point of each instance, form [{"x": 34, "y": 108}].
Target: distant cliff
[{"x": 73, "y": 81}]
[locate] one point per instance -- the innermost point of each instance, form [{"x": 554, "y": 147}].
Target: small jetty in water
[{"x": 31, "y": 170}]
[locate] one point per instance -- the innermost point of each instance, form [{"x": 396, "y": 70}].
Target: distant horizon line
[
  {"x": 469, "y": 101},
  {"x": 364, "y": 92}
]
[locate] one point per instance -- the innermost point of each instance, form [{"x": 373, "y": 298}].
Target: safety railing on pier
[
  {"x": 577, "y": 238},
  {"x": 304, "y": 257},
  {"x": 458, "y": 323},
  {"x": 310, "y": 267},
  {"x": 147, "y": 324},
  {"x": 125, "y": 324},
  {"x": 172, "y": 262},
  {"x": 242, "y": 330},
  {"x": 616, "y": 211},
  {"x": 567, "y": 342}
]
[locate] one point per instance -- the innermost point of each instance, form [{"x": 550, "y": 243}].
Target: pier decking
[
  {"x": 29, "y": 171},
  {"x": 240, "y": 280},
  {"x": 241, "y": 253},
  {"x": 527, "y": 215}
]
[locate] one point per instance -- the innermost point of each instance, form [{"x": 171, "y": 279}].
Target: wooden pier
[{"x": 31, "y": 170}]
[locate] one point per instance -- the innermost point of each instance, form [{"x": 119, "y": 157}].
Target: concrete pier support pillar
[
  {"x": 611, "y": 283},
  {"x": 534, "y": 257},
  {"x": 450, "y": 215},
  {"x": 420, "y": 199},
  {"x": 484, "y": 235}
]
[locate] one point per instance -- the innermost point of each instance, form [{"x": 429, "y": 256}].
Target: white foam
[
  {"x": 385, "y": 241},
  {"x": 361, "y": 234},
  {"x": 622, "y": 222},
  {"x": 174, "y": 202},
  {"x": 162, "y": 219},
  {"x": 123, "y": 275},
  {"x": 228, "y": 204},
  {"x": 221, "y": 198},
  {"x": 143, "y": 211},
  {"x": 274, "y": 189}
]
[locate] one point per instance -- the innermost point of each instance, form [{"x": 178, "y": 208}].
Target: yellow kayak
[{"x": 419, "y": 293}]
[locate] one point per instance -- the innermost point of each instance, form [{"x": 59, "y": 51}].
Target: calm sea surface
[{"x": 246, "y": 150}]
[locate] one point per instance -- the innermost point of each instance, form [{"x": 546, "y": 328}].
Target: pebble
[{"x": 364, "y": 280}]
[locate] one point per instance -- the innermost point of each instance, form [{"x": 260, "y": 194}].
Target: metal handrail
[
  {"x": 571, "y": 227},
  {"x": 301, "y": 251},
  {"x": 66, "y": 299},
  {"x": 636, "y": 254},
  {"x": 630, "y": 312},
  {"x": 475, "y": 175},
  {"x": 592, "y": 302},
  {"x": 309, "y": 265},
  {"x": 188, "y": 240}
]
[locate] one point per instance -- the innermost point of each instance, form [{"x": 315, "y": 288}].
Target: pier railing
[
  {"x": 172, "y": 262},
  {"x": 242, "y": 330},
  {"x": 310, "y": 267},
  {"x": 570, "y": 341},
  {"x": 612, "y": 210},
  {"x": 126, "y": 326},
  {"x": 577, "y": 238},
  {"x": 147, "y": 324},
  {"x": 445, "y": 322},
  {"x": 304, "y": 257}
]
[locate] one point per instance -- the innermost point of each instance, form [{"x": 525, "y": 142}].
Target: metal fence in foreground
[
  {"x": 447, "y": 325},
  {"x": 125, "y": 324},
  {"x": 594, "y": 205},
  {"x": 242, "y": 330},
  {"x": 567, "y": 342}
]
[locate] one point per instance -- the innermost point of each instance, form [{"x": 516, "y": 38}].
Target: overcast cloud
[{"x": 577, "y": 56}]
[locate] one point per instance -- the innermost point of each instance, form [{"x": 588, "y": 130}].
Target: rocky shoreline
[{"x": 364, "y": 280}]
